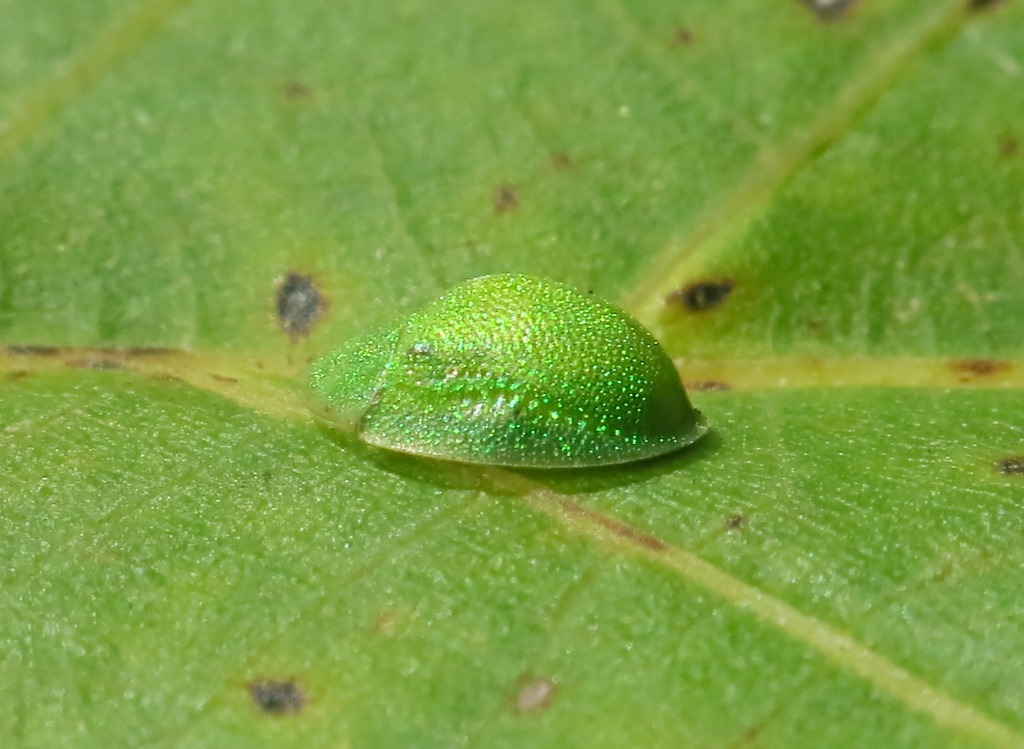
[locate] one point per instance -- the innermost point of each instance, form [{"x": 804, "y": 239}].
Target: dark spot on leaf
[
  {"x": 299, "y": 305},
  {"x": 828, "y": 10},
  {"x": 1009, "y": 145},
  {"x": 223, "y": 378},
  {"x": 1011, "y": 466},
  {"x": 33, "y": 350},
  {"x": 277, "y": 697},
  {"x": 17, "y": 374},
  {"x": 506, "y": 198},
  {"x": 984, "y": 4},
  {"x": 702, "y": 295},
  {"x": 750, "y": 736},
  {"x": 562, "y": 161},
  {"x": 385, "y": 622},
  {"x": 95, "y": 362},
  {"x": 147, "y": 351},
  {"x": 533, "y": 694},
  {"x": 683, "y": 37},
  {"x": 735, "y": 521},
  {"x": 708, "y": 385},
  {"x": 971, "y": 368},
  {"x": 296, "y": 90}
]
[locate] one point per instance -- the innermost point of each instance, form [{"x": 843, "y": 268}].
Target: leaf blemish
[
  {"x": 224, "y": 378},
  {"x": 296, "y": 90},
  {"x": 562, "y": 161},
  {"x": 534, "y": 694},
  {"x": 277, "y": 697},
  {"x": 1009, "y": 145},
  {"x": 734, "y": 522},
  {"x": 33, "y": 350},
  {"x": 92, "y": 362},
  {"x": 702, "y": 295},
  {"x": 983, "y": 4},
  {"x": 140, "y": 351},
  {"x": 506, "y": 198},
  {"x": 969, "y": 368},
  {"x": 828, "y": 10},
  {"x": 1011, "y": 466},
  {"x": 616, "y": 528},
  {"x": 708, "y": 385},
  {"x": 299, "y": 305},
  {"x": 683, "y": 37}
]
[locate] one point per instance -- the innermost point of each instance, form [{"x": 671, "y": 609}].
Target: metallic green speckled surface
[{"x": 510, "y": 370}]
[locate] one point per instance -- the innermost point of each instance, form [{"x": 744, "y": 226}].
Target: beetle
[{"x": 509, "y": 370}]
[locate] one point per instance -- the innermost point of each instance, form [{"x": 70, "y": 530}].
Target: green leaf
[{"x": 815, "y": 206}]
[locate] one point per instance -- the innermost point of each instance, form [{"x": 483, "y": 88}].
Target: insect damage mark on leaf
[
  {"x": 1011, "y": 466},
  {"x": 92, "y": 361},
  {"x": 274, "y": 697},
  {"x": 984, "y": 4},
  {"x": 506, "y": 198},
  {"x": 562, "y": 161},
  {"x": 702, "y": 295},
  {"x": 140, "y": 351},
  {"x": 713, "y": 385},
  {"x": 1009, "y": 145},
  {"x": 828, "y": 10},
  {"x": 533, "y": 694},
  {"x": 296, "y": 91},
  {"x": 970, "y": 369},
  {"x": 299, "y": 305},
  {"x": 33, "y": 350},
  {"x": 683, "y": 37},
  {"x": 734, "y": 522}
]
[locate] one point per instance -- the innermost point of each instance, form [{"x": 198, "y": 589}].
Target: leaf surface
[{"x": 816, "y": 207}]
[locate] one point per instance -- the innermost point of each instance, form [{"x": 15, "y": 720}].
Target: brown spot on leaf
[
  {"x": 702, "y": 295},
  {"x": 296, "y": 90},
  {"x": 16, "y": 374},
  {"x": 984, "y": 4},
  {"x": 828, "y": 10},
  {"x": 141, "y": 351},
  {"x": 735, "y": 521},
  {"x": 385, "y": 622},
  {"x": 33, "y": 350},
  {"x": 534, "y": 694},
  {"x": 1009, "y": 145},
  {"x": 562, "y": 161},
  {"x": 708, "y": 385},
  {"x": 974, "y": 368},
  {"x": 615, "y": 527},
  {"x": 506, "y": 198},
  {"x": 299, "y": 305},
  {"x": 223, "y": 378},
  {"x": 683, "y": 37},
  {"x": 92, "y": 361},
  {"x": 275, "y": 697},
  {"x": 1011, "y": 466}
]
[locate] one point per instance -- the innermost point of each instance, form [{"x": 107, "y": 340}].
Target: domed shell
[{"x": 510, "y": 370}]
